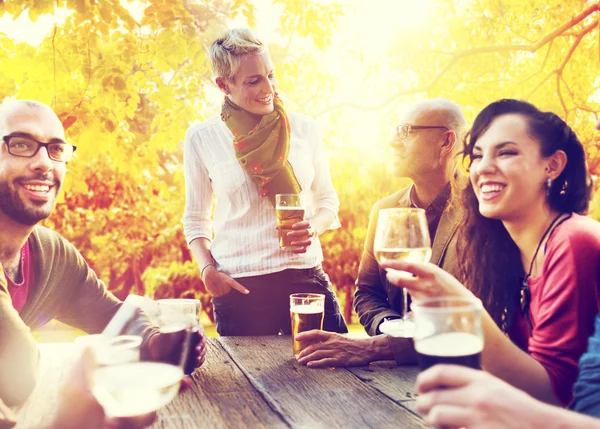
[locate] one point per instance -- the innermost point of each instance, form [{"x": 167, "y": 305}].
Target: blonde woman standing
[{"x": 243, "y": 157}]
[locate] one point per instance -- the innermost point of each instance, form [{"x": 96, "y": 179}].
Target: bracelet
[{"x": 205, "y": 267}]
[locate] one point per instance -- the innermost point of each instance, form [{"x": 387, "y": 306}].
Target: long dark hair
[{"x": 489, "y": 260}]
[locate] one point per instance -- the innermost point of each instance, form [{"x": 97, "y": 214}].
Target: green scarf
[{"x": 262, "y": 145}]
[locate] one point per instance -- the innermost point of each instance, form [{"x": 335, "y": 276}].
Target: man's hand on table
[{"x": 328, "y": 349}]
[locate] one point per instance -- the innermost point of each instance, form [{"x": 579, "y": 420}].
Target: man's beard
[{"x": 15, "y": 208}]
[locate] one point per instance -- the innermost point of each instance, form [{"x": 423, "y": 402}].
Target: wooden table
[{"x": 253, "y": 382}]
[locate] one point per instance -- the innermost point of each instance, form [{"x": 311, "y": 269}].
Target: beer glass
[
  {"x": 448, "y": 330},
  {"x": 178, "y": 319},
  {"x": 306, "y": 311},
  {"x": 402, "y": 234},
  {"x": 126, "y": 387},
  {"x": 289, "y": 209}
]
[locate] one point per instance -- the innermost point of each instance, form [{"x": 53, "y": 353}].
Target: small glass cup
[
  {"x": 307, "y": 311},
  {"x": 126, "y": 387},
  {"x": 448, "y": 330},
  {"x": 179, "y": 323},
  {"x": 289, "y": 209}
]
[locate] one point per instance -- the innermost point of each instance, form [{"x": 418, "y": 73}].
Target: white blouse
[{"x": 245, "y": 241}]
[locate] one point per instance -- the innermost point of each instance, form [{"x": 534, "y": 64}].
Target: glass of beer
[
  {"x": 306, "y": 311},
  {"x": 402, "y": 234},
  {"x": 179, "y": 319},
  {"x": 126, "y": 387},
  {"x": 448, "y": 330},
  {"x": 289, "y": 209}
]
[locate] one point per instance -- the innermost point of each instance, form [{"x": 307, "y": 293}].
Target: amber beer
[
  {"x": 286, "y": 217},
  {"x": 289, "y": 209},
  {"x": 456, "y": 348},
  {"x": 307, "y": 312}
]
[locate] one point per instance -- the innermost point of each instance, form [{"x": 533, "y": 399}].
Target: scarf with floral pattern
[{"x": 262, "y": 145}]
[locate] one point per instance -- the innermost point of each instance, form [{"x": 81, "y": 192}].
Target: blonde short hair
[{"x": 225, "y": 52}]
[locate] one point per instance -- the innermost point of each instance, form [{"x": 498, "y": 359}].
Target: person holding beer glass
[
  {"x": 253, "y": 151},
  {"x": 478, "y": 400},
  {"x": 461, "y": 397},
  {"x": 525, "y": 248}
]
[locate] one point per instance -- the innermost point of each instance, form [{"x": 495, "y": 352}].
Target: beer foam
[
  {"x": 289, "y": 208},
  {"x": 450, "y": 344},
  {"x": 306, "y": 309}
]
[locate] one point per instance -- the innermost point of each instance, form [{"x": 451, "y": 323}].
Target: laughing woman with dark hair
[{"x": 526, "y": 248}]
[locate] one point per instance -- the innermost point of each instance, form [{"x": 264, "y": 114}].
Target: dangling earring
[
  {"x": 225, "y": 110},
  {"x": 564, "y": 188},
  {"x": 548, "y": 186}
]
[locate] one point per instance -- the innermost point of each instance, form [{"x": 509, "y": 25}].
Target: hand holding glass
[
  {"x": 448, "y": 331},
  {"x": 289, "y": 209},
  {"x": 179, "y": 321},
  {"x": 402, "y": 234},
  {"x": 126, "y": 387},
  {"x": 307, "y": 311}
]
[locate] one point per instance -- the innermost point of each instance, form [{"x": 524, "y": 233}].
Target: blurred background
[{"x": 127, "y": 78}]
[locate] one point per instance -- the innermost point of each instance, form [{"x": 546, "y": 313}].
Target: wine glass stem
[{"x": 405, "y": 304}]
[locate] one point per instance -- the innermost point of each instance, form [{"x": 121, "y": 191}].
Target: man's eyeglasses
[
  {"x": 24, "y": 146},
  {"x": 403, "y": 130}
]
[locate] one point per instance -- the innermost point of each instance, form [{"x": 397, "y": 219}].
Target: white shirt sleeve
[{"x": 197, "y": 222}]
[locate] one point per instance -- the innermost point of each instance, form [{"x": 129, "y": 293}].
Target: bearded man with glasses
[
  {"x": 42, "y": 275},
  {"x": 424, "y": 147}
]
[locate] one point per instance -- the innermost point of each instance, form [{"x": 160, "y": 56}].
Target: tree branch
[
  {"x": 540, "y": 84},
  {"x": 456, "y": 57},
  {"x": 54, "y": 64},
  {"x": 561, "y": 68}
]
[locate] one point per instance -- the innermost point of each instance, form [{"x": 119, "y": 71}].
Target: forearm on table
[
  {"x": 19, "y": 355},
  {"x": 552, "y": 417},
  {"x": 381, "y": 348},
  {"x": 505, "y": 360}
]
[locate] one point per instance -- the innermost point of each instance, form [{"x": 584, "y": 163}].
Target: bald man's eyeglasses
[
  {"x": 23, "y": 145},
  {"x": 403, "y": 130}
]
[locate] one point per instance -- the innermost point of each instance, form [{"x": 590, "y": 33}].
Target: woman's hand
[
  {"x": 457, "y": 396},
  {"x": 219, "y": 284},
  {"x": 427, "y": 280},
  {"x": 302, "y": 235}
]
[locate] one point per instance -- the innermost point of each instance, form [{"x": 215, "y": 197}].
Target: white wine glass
[{"x": 402, "y": 234}]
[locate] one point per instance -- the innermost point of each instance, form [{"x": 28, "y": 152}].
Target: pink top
[
  {"x": 564, "y": 303},
  {"x": 20, "y": 291}
]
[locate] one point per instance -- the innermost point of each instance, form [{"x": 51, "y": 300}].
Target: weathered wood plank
[
  {"x": 395, "y": 382},
  {"x": 315, "y": 398},
  {"x": 220, "y": 397}
]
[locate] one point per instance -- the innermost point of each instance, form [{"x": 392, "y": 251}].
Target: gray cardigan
[{"x": 64, "y": 288}]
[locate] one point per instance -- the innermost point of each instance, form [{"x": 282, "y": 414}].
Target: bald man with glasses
[
  {"x": 424, "y": 147},
  {"x": 42, "y": 276}
]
